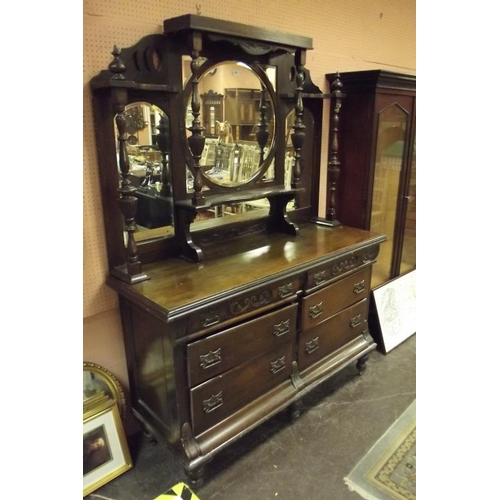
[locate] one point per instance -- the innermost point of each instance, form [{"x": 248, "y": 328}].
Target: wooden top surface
[
  {"x": 241, "y": 263},
  {"x": 196, "y": 22}
]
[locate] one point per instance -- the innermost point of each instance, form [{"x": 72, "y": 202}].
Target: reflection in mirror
[
  {"x": 100, "y": 384},
  {"x": 256, "y": 207},
  {"x": 238, "y": 116},
  {"x": 148, "y": 150},
  {"x": 263, "y": 204},
  {"x": 289, "y": 149}
]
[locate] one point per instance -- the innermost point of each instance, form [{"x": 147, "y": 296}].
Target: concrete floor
[{"x": 304, "y": 459}]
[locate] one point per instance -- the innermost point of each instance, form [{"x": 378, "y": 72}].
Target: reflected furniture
[
  {"x": 377, "y": 185},
  {"x": 228, "y": 320},
  {"x": 153, "y": 209},
  {"x": 212, "y": 106},
  {"x": 242, "y": 108}
]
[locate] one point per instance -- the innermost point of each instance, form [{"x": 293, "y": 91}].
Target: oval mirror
[
  {"x": 100, "y": 384},
  {"x": 148, "y": 148},
  {"x": 238, "y": 114}
]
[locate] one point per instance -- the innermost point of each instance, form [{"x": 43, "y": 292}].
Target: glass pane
[
  {"x": 148, "y": 169},
  {"x": 409, "y": 252},
  {"x": 238, "y": 117},
  {"x": 392, "y": 126}
]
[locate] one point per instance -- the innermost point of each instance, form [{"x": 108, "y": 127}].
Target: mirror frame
[
  {"x": 151, "y": 70},
  {"x": 115, "y": 389},
  {"x": 205, "y": 68}
]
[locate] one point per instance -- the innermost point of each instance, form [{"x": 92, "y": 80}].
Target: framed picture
[
  {"x": 393, "y": 311},
  {"x": 208, "y": 155},
  {"x": 105, "y": 449}
]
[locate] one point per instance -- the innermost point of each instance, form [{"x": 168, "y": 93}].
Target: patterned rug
[{"x": 389, "y": 470}]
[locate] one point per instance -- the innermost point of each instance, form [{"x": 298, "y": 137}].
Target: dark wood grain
[
  {"x": 176, "y": 285},
  {"x": 232, "y": 29}
]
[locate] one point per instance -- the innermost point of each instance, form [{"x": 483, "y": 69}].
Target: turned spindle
[
  {"x": 262, "y": 134},
  {"x": 334, "y": 162},
  {"x": 196, "y": 141},
  {"x": 299, "y": 134},
  {"x": 132, "y": 270},
  {"x": 163, "y": 141}
]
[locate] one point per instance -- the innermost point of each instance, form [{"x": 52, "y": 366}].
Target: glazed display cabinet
[{"x": 377, "y": 184}]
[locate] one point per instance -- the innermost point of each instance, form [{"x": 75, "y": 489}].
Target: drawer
[
  {"x": 247, "y": 303},
  {"x": 221, "y": 396},
  {"x": 324, "y": 273},
  {"x": 221, "y": 351},
  {"x": 321, "y": 305},
  {"x": 332, "y": 334}
]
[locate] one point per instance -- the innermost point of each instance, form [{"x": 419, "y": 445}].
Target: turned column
[
  {"x": 262, "y": 134},
  {"x": 131, "y": 271},
  {"x": 196, "y": 141},
  {"x": 333, "y": 162},
  {"x": 163, "y": 141},
  {"x": 299, "y": 134}
]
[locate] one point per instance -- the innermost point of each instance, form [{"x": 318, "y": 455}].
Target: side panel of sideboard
[{"x": 156, "y": 369}]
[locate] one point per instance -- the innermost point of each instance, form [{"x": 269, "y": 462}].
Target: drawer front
[
  {"x": 221, "y": 351},
  {"x": 243, "y": 304},
  {"x": 321, "y": 275},
  {"x": 332, "y": 334},
  {"x": 321, "y": 305},
  {"x": 221, "y": 396}
]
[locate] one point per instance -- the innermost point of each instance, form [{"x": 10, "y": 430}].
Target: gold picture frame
[
  {"x": 97, "y": 379},
  {"x": 105, "y": 449}
]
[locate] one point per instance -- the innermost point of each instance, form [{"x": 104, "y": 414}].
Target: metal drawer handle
[
  {"x": 319, "y": 278},
  {"x": 312, "y": 345},
  {"x": 210, "y": 321},
  {"x": 281, "y": 328},
  {"x": 359, "y": 287},
  {"x": 316, "y": 310},
  {"x": 211, "y": 359},
  {"x": 212, "y": 403},
  {"x": 278, "y": 365},
  {"x": 355, "y": 321},
  {"x": 285, "y": 290}
]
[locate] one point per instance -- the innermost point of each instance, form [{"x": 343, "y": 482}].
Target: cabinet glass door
[
  {"x": 409, "y": 249},
  {"x": 389, "y": 163}
]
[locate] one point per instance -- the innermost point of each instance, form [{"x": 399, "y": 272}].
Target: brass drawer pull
[
  {"x": 355, "y": 321},
  {"x": 278, "y": 365},
  {"x": 359, "y": 287},
  {"x": 285, "y": 290},
  {"x": 312, "y": 345},
  {"x": 212, "y": 403},
  {"x": 316, "y": 310},
  {"x": 210, "y": 321},
  {"x": 281, "y": 328},
  {"x": 211, "y": 359},
  {"x": 319, "y": 278}
]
